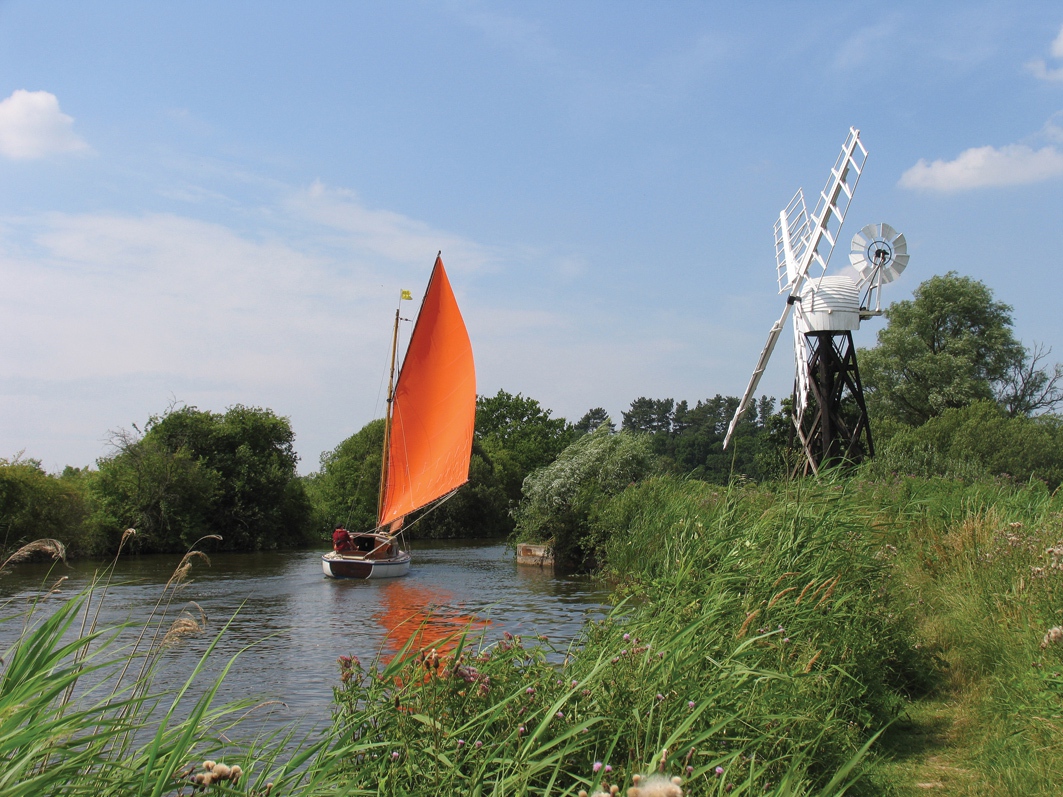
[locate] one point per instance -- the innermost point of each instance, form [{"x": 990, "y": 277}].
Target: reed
[{"x": 765, "y": 640}]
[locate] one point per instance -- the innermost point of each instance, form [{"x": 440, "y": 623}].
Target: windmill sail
[
  {"x": 821, "y": 233},
  {"x": 433, "y": 410}
]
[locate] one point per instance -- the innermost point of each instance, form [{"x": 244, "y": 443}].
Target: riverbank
[{"x": 872, "y": 636}]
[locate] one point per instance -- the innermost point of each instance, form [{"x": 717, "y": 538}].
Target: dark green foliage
[
  {"x": 35, "y": 505},
  {"x": 518, "y": 436},
  {"x": 691, "y": 439},
  {"x": 194, "y": 472},
  {"x": 346, "y": 490},
  {"x": 950, "y": 346},
  {"x": 478, "y": 509},
  {"x": 592, "y": 419},
  {"x": 514, "y": 435},
  {"x": 165, "y": 495},
  {"x": 650, "y": 415},
  {"x": 979, "y": 440}
]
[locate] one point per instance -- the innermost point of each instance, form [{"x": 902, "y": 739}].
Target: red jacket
[{"x": 341, "y": 540}]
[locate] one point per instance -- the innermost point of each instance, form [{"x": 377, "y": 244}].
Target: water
[{"x": 297, "y": 622}]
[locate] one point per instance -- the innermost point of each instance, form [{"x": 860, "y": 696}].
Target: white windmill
[{"x": 826, "y": 310}]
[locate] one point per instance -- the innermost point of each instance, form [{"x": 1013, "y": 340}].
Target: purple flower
[
  {"x": 530, "y": 690},
  {"x": 477, "y": 744},
  {"x": 461, "y": 742},
  {"x": 395, "y": 756},
  {"x": 627, "y": 637},
  {"x": 597, "y": 767},
  {"x": 660, "y": 696},
  {"x": 559, "y": 715},
  {"x": 608, "y": 769},
  {"x": 719, "y": 771},
  {"x": 521, "y": 731},
  {"x": 690, "y": 704}
]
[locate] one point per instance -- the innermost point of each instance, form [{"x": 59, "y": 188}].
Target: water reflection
[
  {"x": 298, "y": 622},
  {"x": 422, "y": 617}
]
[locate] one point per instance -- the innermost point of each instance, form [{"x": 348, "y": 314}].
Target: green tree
[
  {"x": 560, "y": 499},
  {"x": 650, "y": 415},
  {"x": 192, "y": 472},
  {"x": 479, "y": 509},
  {"x": 518, "y": 435},
  {"x": 35, "y": 504},
  {"x": 979, "y": 440},
  {"x": 165, "y": 495},
  {"x": 592, "y": 419},
  {"x": 950, "y": 346},
  {"x": 346, "y": 489}
]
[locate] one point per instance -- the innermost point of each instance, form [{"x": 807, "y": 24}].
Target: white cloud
[
  {"x": 1040, "y": 68},
  {"x": 982, "y": 167},
  {"x": 32, "y": 126},
  {"x": 384, "y": 233}
]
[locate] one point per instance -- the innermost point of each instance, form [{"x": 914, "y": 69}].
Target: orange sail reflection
[{"x": 423, "y": 618}]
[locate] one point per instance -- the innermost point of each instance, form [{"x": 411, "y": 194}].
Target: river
[{"x": 297, "y": 622}]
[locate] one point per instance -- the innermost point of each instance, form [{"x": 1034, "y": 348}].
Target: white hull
[{"x": 353, "y": 565}]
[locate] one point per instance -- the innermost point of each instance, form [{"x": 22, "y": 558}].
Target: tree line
[{"x": 950, "y": 390}]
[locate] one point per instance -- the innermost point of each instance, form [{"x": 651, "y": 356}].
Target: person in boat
[{"x": 341, "y": 540}]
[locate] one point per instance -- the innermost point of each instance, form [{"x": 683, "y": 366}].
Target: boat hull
[{"x": 343, "y": 565}]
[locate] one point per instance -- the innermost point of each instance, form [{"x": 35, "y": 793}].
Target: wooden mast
[{"x": 387, "y": 419}]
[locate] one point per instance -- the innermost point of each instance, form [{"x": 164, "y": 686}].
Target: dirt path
[{"x": 923, "y": 746}]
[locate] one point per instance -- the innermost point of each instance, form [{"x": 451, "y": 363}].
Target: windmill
[{"x": 826, "y": 309}]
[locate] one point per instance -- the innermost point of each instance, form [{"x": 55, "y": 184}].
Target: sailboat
[{"x": 428, "y": 428}]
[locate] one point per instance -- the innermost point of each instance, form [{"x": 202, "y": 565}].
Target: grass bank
[{"x": 862, "y": 636}]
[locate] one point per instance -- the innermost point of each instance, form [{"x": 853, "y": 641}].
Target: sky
[{"x": 218, "y": 203}]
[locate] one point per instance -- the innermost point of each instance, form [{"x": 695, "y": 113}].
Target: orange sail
[{"x": 433, "y": 411}]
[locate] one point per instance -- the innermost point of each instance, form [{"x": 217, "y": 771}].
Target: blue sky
[{"x": 218, "y": 203}]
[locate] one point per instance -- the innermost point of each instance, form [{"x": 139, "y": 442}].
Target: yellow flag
[{"x": 406, "y": 295}]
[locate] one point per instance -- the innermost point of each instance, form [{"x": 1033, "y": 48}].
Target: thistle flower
[{"x": 655, "y": 786}]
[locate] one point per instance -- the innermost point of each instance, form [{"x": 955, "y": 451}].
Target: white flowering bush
[{"x": 560, "y": 500}]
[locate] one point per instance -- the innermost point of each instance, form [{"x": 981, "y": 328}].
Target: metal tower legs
[{"x": 834, "y": 427}]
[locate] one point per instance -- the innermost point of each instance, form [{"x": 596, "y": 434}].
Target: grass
[{"x": 865, "y": 636}]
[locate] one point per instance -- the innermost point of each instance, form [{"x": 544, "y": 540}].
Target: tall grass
[
  {"x": 757, "y": 652},
  {"x": 764, "y": 641}
]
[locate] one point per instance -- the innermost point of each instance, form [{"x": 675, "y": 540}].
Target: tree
[
  {"x": 560, "y": 499},
  {"x": 1030, "y": 386},
  {"x": 165, "y": 495},
  {"x": 193, "y": 472},
  {"x": 35, "y": 505},
  {"x": 514, "y": 435},
  {"x": 346, "y": 489},
  {"x": 979, "y": 440},
  {"x": 592, "y": 420},
  {"x": 518, "y": 436},
  {"x": 649, "y": 415},
  {"x": 950, "y": 346}
]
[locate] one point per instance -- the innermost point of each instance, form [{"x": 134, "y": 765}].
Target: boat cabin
[{"x": 372, "y": 546}]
